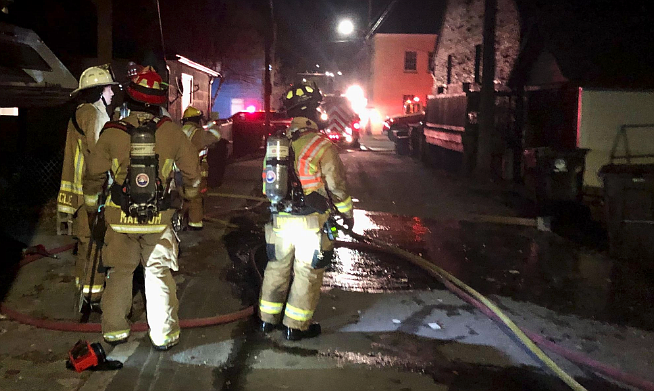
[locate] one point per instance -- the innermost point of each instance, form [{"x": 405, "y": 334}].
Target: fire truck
[{"x": 340, "y": 123}]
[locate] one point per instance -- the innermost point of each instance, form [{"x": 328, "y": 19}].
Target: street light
[{"x": 345, "y": 27}]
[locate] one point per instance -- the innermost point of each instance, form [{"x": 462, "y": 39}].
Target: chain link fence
[{"x": 33, "y": 180}]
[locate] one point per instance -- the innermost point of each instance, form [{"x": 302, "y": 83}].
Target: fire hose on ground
[
  {"x": 64, "y": 325},
  {"x": 466, "y": 293}
]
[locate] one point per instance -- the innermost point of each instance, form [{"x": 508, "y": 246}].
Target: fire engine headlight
[
  {"x": 348, "y": 130},
  {"x": 348, "y": 138},
  {"x": 324, "y": 116}
]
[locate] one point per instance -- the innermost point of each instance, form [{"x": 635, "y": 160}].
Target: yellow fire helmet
[{"x": 191, "y": 112}]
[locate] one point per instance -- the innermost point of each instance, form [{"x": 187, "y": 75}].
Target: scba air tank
[
  {"x": 143, "y": 173},
  {"x": 276, "y": 172}
]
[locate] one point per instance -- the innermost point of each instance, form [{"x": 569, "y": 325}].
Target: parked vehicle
[
  {"x": 30, "y": 73},
  {"x": 248, "y": 129},
  {"x": 402, "y": 124}
]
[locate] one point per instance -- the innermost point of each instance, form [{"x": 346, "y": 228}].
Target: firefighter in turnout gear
[
  {"x": 201, "y": 140},
  {"x": 141, "y": 233},
  {"x": 94, "y": 96},
  {"x": 296, "y": 239}
]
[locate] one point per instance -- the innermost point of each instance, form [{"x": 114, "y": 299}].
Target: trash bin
[
  {"x": 554, "y": 176},
  {"x": 629, "y": 210}
]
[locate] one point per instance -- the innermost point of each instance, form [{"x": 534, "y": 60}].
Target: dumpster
[
  {"x": 554, "y": 176},
  {"x": 629, "y": 210}
]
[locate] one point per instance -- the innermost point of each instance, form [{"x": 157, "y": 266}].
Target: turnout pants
[
  {"x": 157, "y": 252},
  {"x": 92, "y": 280},
  {"x": 294, "y": 244},
  {"x": 196, "y": 207}
]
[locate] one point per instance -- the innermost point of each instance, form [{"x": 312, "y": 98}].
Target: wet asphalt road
[
  {"x": 505, "y": 260},
  {"x": 387, "y": 325}
]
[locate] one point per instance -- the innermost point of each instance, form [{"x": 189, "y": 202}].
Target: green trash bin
[{"x": 629, "y": 210}]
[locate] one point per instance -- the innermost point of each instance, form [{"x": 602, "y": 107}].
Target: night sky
[
  {"x": 211, "y": 30},
  {"x": 307, "y": 29}
]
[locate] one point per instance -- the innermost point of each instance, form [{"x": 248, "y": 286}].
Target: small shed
[{"x": 190, "y": 84}]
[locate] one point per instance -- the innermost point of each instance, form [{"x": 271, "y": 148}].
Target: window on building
[
  {"x": 478, "y": 64},
  {"x": 410, "y": 61},
  {"x": 430, "y": 62},
  {"x": 449, "y": 69}
]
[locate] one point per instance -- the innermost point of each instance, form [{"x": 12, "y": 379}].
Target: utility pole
[
  {"x": 486, "y": 137},
  {"x": 104, "y": 30},
  {"x": 369, "y": 12},
  {"x": 267, "y": 84}
]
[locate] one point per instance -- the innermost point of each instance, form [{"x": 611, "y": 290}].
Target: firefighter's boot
[{"x": 314, "y": 330}]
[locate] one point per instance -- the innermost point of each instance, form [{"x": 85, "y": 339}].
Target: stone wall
[{"x": 462, "y": 31}]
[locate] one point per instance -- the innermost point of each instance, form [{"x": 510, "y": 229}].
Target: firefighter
[
  {"x": 201, "y": 140},
  {"x": 295, "y": 239},
  {"x": 94, "y": 96},
  {"x": 132, "y": 240}
]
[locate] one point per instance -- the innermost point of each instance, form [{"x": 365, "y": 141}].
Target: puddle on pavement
[
  {"x": 513, "y": 261},
  {"x": 358, "y": 271},
  {"x": 505, "y": 260}
]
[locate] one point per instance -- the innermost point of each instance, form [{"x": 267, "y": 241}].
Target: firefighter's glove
[{"x": 348, "y": 223}]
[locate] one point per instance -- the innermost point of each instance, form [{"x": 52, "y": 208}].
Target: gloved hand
[{"x": 348, "y": 222}]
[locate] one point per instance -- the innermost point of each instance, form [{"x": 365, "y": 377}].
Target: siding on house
[{"x": 200, "y": 96}]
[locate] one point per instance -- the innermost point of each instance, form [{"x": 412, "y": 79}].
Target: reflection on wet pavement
[{"x": 511, "y": 261}]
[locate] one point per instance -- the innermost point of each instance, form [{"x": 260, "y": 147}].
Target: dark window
[
  {"x": 410, "y": 61},
  {"x": 430, "y": 62},
  {"x": 477, "y": 64},
  {"x": 18, "y": 55},
  {"x": 449, "y": 69}
]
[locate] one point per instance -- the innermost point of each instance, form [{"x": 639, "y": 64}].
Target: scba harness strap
[{"x": 127, "y": 127}]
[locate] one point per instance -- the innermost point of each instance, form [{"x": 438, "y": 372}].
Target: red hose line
[
  {"x": 33, "y": 257},
  {"x": 65, "y": 325},
  {"x": 575, "y": 357}
]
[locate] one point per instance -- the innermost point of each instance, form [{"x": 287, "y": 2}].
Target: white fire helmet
[{"x": 94, "y": 77}]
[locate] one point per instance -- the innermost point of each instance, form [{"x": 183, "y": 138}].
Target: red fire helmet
[{"x": 148, "y": 87}]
